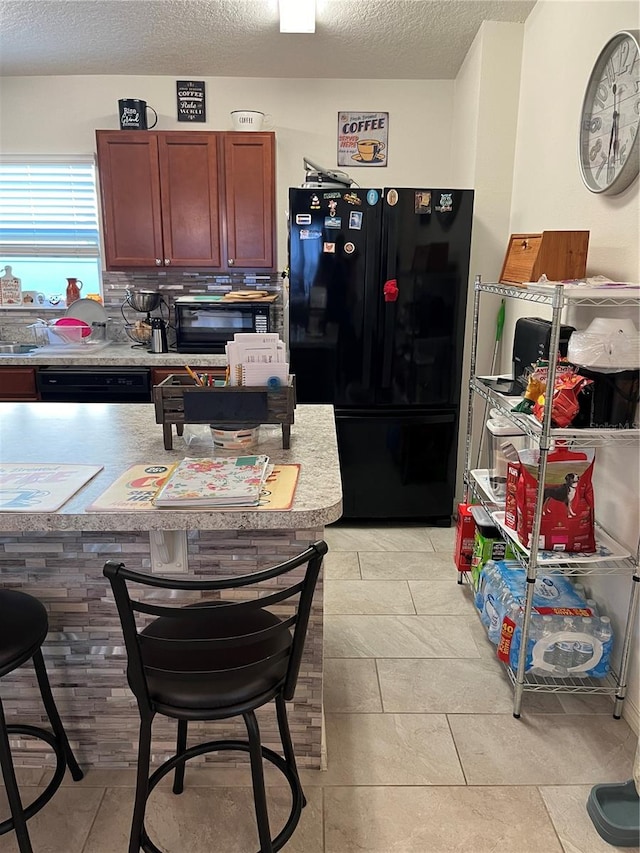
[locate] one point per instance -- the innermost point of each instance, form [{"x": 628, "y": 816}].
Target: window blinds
[{"x": 48, "y": 209}]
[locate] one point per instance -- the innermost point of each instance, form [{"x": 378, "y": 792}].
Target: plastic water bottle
[
  {"x": 564, "y": 656},
  {"x": 583, "y": 649},
  {"x": 603, "y": 630},
  {"x": 591, "y": 604},
  {"x": 548, "y": 628},
  {"x": 579, "y": 588}
]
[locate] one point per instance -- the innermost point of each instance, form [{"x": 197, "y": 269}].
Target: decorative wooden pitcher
[{"x": 74, "y": 286}]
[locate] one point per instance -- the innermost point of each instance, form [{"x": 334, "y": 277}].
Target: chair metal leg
[
  {"x": 11, "y": 785},
  {"x": 142, "y": 785},
  {"x": 257, "y": 778},
  {"x": 285, "y": 737},
  {"x": 54, "y": 717},
  {"x": 178, "y": 779}
]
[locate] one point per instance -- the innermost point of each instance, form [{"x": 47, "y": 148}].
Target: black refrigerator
[{"x": 378, "y": 290}]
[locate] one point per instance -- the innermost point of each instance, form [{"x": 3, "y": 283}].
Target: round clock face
[{"x": 609, "y": 150}]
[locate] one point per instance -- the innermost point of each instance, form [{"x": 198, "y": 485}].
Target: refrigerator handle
[{"x": 390, "y": 291}]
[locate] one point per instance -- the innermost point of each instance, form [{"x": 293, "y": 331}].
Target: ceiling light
[{"x": 297, "y": 16}]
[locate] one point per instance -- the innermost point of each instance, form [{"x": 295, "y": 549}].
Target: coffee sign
[
  {"x": 191, "y": 100},
  {"x": 362, "y": 139}
]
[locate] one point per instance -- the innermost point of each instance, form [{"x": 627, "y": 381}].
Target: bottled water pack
[{"x": 567, "y": 637}]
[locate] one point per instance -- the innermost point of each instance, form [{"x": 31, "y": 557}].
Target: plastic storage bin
[{"x": 500, "y": 433}]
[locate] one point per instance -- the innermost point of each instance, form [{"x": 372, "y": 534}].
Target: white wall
[
  {"x": 561, "y": 43},
  {"x": 59, "y": 115},
  {"x": 484, "y": 132}
]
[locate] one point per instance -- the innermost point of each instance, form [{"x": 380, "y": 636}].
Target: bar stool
[
  {"x": 23, "y": 628},
  {"x": 213, "y": 660}
]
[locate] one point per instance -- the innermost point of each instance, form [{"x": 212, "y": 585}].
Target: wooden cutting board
[{"x": 263, "y": 297}]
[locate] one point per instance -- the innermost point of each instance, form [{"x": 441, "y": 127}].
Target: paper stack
[
  {"x": 215, "y": 482},
  {"x": 257, "y": 359}
]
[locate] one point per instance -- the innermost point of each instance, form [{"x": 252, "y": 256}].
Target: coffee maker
[{"x": 151, "y": 331}]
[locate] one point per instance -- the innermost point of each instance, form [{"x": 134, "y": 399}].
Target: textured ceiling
[{"x": 369, "y": 39}]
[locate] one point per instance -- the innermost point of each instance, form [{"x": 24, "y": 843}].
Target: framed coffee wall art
[
  {"x": 191, "y": 100},
  {"x": 362, "y": 139}
]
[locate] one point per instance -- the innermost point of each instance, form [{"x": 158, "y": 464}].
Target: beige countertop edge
[
  {"x": 116, "y": 354},
  {"x": 100, "y": 522}
]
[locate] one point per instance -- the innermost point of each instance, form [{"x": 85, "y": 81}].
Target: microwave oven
[{"x": 205, "y": 324}]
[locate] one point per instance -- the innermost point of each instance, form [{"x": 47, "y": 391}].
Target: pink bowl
[{"x": 85, "y": 328}]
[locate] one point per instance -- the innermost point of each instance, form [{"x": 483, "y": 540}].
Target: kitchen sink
[{"x": 9, "y": 348}]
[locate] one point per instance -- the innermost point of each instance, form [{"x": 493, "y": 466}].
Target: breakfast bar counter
[{"x": 59, "y": 556}]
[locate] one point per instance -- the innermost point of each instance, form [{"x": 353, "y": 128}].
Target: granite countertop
[
  {"x": 115, "y": 354},
  {"x": 120, "y": 435}
]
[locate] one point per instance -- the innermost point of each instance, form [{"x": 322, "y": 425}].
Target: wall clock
[{"x": 609, "y": 151}]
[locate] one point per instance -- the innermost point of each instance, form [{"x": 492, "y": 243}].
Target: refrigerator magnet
[
  {"x": 355, "y": 220},
  {"x": 308, "y": 234},
  {"x": 446, "y": 203},
  {"x": 333, "y": 206},
  {"x": 329, "y": 248},
  {"x": 372, "y": 197},
  {"x": 422, "y": 202},
  {"x": 303, "y": 219},
  {"x": 333, "y": 222},
  {"x": 392, "y": 197},
  {"x": 315, "y": 202},
  {"x": 349, "y": 248},
  {"x": 331, "y": 195},
  {"x": 352, "y": 198}
]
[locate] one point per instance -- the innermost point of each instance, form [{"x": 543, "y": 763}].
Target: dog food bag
[{"x": 567, "y": 522}]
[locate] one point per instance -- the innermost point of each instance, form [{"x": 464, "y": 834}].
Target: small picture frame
[{"x": 191, "y": 100}]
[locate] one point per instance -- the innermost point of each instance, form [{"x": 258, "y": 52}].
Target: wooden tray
[{"x": 178, "y": 400}]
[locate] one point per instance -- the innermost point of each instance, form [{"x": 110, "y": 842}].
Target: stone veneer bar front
[{"x": 59, "y": 556}]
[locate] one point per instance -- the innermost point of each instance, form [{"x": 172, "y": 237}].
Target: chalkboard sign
[
  {"x": 191, "y": 101},
  {"x": 230, "y": 407}
]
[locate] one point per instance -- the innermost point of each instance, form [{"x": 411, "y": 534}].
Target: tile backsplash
[{"x": 14, "y": 322}]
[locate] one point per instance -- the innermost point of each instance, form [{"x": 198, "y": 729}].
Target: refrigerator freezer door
[
  {"x": 397, "y": 465},
  {"x": 334, "y": 262},
  {"x": 426, "y": 245}
]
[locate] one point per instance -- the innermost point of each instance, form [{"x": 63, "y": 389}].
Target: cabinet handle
[
  {"x": 158, "y": 262},
  {"x": 167, "y": 261},
  {"x": 525, "y": 244},
  {"x": 230, "y": 262}
]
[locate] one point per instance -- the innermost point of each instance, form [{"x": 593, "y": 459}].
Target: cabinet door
[
  {"x": 249, "y": 177},
  {"x": 18, "y": 383},
  {"x": 130, "y": 191},
  {"x": 189, "y": 190}
]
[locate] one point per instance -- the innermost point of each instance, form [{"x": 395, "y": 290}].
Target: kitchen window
[{"x": 49, "y": 224}]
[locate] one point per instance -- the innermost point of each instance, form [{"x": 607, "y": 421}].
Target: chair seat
[
  {"x": 23, "y": 628},
  {"x": 187, "y": 681}
]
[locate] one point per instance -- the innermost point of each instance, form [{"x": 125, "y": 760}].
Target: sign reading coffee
[
  {"x": 191, "y": 101},
  {"x": 362, "y": 139}
]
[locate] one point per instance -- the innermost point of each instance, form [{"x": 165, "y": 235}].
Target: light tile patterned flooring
[{"x": 424, "y": 754}]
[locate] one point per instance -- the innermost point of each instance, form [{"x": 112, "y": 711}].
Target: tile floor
[{"x": 424, "y": 754}]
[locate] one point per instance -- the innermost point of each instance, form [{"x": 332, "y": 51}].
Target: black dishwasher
[{"x": 94, "y": 384}]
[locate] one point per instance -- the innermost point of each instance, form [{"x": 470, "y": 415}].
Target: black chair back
[{"x": 220, "y": 627}]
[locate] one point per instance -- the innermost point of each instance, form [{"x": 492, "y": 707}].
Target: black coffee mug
[{"x": 133, "y": 114}]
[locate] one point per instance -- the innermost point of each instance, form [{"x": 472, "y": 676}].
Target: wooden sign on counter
[{"x": 10, "y": 288}]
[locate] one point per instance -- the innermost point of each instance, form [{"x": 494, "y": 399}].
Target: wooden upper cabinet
[
  {"x": 249, "y": 180},
  {"x": 187, "y": 199},
  {"x": 130, "y": 194},
  {"x": 189, "y": 192}
]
